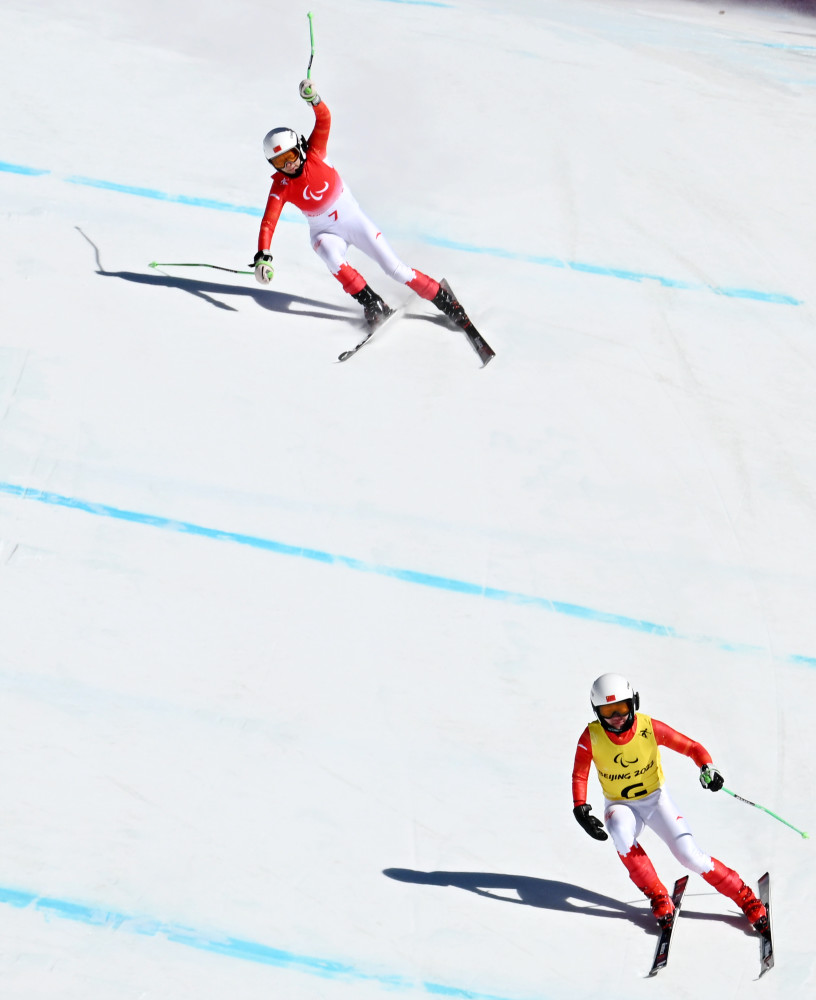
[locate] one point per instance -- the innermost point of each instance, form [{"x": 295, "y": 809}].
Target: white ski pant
[
  {"x": 625, "y": 822},
  {"x": 346, "y": 224}
]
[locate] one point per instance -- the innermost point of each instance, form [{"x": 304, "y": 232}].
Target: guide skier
[
  {"x": 623, "y": 744},
  {"x": 305, "y": 177}
]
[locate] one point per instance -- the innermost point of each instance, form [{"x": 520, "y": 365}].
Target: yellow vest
[{"x": 629, "y": 771}]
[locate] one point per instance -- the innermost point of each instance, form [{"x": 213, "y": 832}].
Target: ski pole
[
  {"x": 217, "y": 267},
  {"x": 311, "y": 38},
  {"x": 801, "y": 833}
]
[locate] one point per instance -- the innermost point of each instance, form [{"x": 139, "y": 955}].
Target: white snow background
[{"x": 294, "y": 655}]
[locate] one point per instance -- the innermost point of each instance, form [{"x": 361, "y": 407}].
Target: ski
[
  {"x": 661, "y": 956},
  {"x": 475, "y": 339},
  {"x": 369, "y": 334},
  {"x": 766, "y": 948}
]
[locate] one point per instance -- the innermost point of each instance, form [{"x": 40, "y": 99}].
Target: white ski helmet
[
  {"x": 611, "y": 688},
  {"x": 281, "y": 140}
]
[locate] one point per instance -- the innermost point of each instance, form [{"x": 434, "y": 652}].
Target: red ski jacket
[
  {"x": 314, "y": 191},
  {"x": 665, "y": 736}
]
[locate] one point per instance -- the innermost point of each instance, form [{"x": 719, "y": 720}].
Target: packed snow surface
[{"x": 295, "y": 655}]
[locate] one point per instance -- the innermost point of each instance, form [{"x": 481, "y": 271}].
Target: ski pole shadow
[
  {"x": 547, "y": 894},
  {"x": 277, "y": 302}
]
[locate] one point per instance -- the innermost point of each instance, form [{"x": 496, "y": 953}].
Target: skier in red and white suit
[
  {"x": 305, "y": 177},
  {"x": 624, "y": 746}
]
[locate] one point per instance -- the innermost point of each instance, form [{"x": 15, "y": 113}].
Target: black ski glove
[
  {"x": 711, "y": 778},
  {"x": 592, "y": 825}
]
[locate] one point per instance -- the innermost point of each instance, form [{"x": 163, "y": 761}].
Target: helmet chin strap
[{"x": 294, "y": 173}]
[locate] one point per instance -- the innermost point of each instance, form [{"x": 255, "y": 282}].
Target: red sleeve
[
  {"x": 274, "y": 207},
  {"x": 668, "y": 737},
  {"x": 319, "y": 139},
  {"x": 580, "y": 769}
]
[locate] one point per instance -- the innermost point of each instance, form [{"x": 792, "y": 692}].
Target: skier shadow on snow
[
  {"x": 278, "y": 302},
  {"x": 273, "y": 301},
  {"x": 550, "y": 895}
]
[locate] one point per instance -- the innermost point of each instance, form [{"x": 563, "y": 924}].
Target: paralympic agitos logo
[{"x": 624, "y": 774}]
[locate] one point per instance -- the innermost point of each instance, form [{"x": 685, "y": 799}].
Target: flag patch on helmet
[
  {"x": 610, "y": 697},
  {"x": 277, "y": 149}
]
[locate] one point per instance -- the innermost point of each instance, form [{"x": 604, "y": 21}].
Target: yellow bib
[{"x": 630, "y": 771}]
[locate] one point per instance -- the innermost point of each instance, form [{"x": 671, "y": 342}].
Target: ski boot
[
  {"x": 753, "y": 909},
  {"x": 728, "y": 882},
  {"x": 446, "y": 303},
  {"x": 375, "y": 310},
  {"x": 662, "y": 908}
]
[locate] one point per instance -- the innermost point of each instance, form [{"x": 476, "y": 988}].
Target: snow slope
[{"x": 295, "y": 654}]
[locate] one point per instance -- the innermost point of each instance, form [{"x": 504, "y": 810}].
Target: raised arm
[{"x": 319, "y": 137}]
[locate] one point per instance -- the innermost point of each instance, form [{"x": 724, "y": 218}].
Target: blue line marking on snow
[
  {"x": 450, "y": 584},
  {"x": 775, "y": 298},
  {"x": 224, "y": 945},
  {"x": 179, "y": 199},
  {"x": 614, "y": 272},
  {"x": 16, "y": 168},
  {"x": 787, "y": 46}
]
